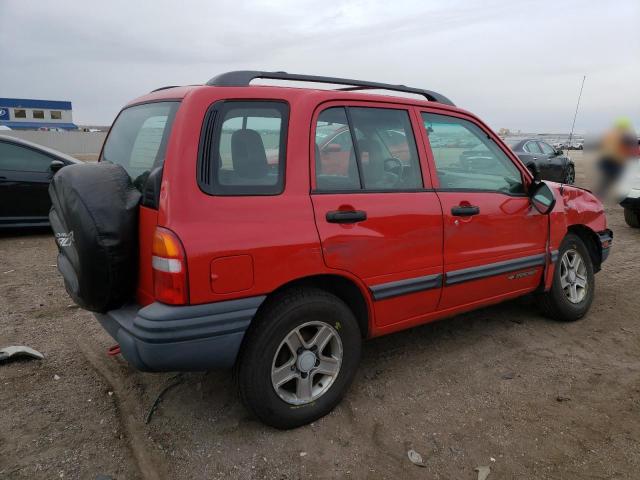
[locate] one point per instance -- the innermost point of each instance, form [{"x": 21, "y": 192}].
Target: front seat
[{"x": 373, "y": 170}]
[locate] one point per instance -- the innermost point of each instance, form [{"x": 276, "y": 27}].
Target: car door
[
  {"x": 535, "y": 154},
  {"x": 375, "y": 218},
  {"x": 553, "y": 162},
  {"x": 494, "y": 240},
  {"x": 24, "y": 180}
]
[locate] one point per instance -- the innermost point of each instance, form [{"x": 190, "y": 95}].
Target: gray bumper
[{"x": 161, "y": 337}]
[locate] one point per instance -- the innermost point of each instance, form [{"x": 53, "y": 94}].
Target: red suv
[{"x": 227, "y": 225}]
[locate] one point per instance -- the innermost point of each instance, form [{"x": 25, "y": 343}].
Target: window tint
[
  {"x": 15, "y": 157},
  {"x": 38, "y": 114},
  {"x": 384, "y": 157},
  {"x": 388, "y": 157},
  {"x": 56, "y": 115},
  {"x": 336, "y": 167},
  {"x": 467, "y": 159},
  {"x": 19, "y": 113},
  {"x": 138, "y": 139},
  {"x": 532, "y": 147},
  {"x": 546, "y": 148},
  {"x": 248, "y": 149}
]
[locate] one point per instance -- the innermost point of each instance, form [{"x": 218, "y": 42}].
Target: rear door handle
[
  {"x": 346, "y": 216},
  {"x": 464, "y": 211}
]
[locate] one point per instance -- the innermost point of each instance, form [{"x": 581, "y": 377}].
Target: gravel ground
[{"x": 502, "y": 387}]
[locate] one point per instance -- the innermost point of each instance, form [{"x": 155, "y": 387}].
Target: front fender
[{"x": 575, "y": 208}]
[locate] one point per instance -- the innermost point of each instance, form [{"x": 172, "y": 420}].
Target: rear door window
[
  {"x": 532, "y": 147},
  {"x": 384, "y": 157},
  {"x": 138, "y": 139}
]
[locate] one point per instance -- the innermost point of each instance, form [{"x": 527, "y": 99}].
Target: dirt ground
[{"x": 502, "y": 387}]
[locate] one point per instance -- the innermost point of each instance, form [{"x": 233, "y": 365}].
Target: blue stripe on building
[
  {"x": 32, "y": 103},
  {"x": 36, "y": 125}
]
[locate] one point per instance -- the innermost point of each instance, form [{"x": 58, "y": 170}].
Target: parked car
[
  {"x": 26, "y": 169},
  {"x": 544, "y": 160},
  {"x": 629, "y": 191},
  {"x": 195, "y": 254}
]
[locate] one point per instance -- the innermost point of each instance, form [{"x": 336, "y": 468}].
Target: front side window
[
  {"x": 21, "y": 159},
  {"x": 138, "y": 139},
  {"x": 547, "y": 149},
  {"x": 56, "y": 115},
  {"x": 19, "y": 113},
  {"x": 38, "y": 114},
  {"x": 383, "y": 156},
  {"x": 467, "y": 159},
  {"x": 243, "y": 148}
]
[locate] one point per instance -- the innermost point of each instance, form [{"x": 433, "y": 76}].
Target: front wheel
[
  {"x": 570, "y": 175},
  {"x": 573, "y": 285},
  {"x": 299, "y": 358},
  {"x": 632, "y": 217}
]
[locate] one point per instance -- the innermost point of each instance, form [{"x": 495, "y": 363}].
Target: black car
[
  {"x": 543, "y": 160},
  {"x": 25, "y": 172}
]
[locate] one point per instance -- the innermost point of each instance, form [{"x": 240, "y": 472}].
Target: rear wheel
[
  {"x": 573, "y": 287},
  {"x": 632, "y": 217},
  {"x": 299, "y": 358}
]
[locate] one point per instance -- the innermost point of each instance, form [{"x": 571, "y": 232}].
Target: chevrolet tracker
[{"x": 273, "y": 229}]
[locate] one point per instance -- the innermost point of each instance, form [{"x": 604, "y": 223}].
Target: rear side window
[
  {"x": 138, "y": 139},
  {"x": 532, "y": 147},
  {"x": 243, "y": 148},
  {"x": 366, "y": 148}
]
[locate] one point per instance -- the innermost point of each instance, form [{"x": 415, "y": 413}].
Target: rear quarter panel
[{"x": 278, "y": 232}]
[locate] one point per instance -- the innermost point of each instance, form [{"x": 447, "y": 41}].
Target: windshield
[{"x": 138, "y": 139}]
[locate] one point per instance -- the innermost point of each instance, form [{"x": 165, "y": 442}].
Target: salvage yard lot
[{"x": 502, "y": 387}]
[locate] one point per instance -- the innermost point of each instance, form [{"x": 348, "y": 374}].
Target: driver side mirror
[
  {"x": 542, "y": 197},
  {"x": 534, "y": 171},
  {"x": 56, "y": 165}
]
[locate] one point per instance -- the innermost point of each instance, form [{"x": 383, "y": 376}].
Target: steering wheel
[{"x": 393, "y": 165}]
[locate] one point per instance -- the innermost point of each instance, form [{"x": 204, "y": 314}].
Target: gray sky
[{"x": 516, "y": 64}]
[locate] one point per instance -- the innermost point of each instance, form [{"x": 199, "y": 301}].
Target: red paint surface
[{"x": 406, "y": 235}]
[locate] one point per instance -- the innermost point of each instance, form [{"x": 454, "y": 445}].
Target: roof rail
[
  {"x": 164, "y": 88},
  {"x": 242, "y": 78}
]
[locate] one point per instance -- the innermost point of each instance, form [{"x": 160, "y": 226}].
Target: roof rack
[
  {"x": 164, "y": 88},
  {"x": 242, "y": 78}
]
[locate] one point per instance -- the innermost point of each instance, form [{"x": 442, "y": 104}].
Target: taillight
[{"x": 170, "y": 284}]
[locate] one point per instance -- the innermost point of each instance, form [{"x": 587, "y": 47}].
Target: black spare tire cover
[{"x": 94, "y": 217}]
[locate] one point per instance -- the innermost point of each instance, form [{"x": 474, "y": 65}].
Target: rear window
[{"x": 138, "y": 139}]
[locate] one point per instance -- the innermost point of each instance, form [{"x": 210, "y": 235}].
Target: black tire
[
  {"x": 279, "y": 317},
  {"x": 632, "y": 217},
  {"x": 570, "y": 175},
  {"x": 555, "y": 303}
]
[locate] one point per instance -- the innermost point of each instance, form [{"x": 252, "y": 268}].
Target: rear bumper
[
  {"x": 606, "y": 240},
  {"x": 161, "y": 337}
]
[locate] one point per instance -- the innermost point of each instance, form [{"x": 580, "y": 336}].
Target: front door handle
[
  {"x": 465, "y": 211},
  {"x": 346, "y": 216}
]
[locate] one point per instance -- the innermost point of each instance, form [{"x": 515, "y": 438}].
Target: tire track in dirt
[{"x": 149, "y": 466}]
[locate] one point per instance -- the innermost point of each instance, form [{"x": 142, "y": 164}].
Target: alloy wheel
[
  {"x": 306, "y": 363},
  {"x": 573, "y": 276}
]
